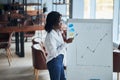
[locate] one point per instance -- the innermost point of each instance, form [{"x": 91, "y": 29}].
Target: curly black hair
[{"x": 53, "y": 19}]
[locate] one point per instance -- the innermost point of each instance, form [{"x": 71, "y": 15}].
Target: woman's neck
[{"x": 55, "y": 28}]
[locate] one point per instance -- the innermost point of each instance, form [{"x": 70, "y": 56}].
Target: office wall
[
  {"x": 78, "y": 9},
  {"x": 49, "y": 5}
]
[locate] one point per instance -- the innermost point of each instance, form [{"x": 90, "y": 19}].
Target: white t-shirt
[{"x": 54, "y": 44}]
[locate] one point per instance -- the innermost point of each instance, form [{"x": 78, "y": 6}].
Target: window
[
  {"x": 98, "y": 9},
  {"x": 86, "y": 9},
  {"x": 104, "y": 9}
]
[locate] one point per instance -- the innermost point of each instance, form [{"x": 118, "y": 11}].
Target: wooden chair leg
[
  {"x": 36, "y": 74},
  {"x": 10, "y": 52},
  {"x": 35, "y": 71},
  {"x": 8, "y": 57}
]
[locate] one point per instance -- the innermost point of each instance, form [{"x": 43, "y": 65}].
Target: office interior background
[{"x": 83, "y": 9}]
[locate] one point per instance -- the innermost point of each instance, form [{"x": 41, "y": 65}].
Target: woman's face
[{"x": 58, "y": 26}]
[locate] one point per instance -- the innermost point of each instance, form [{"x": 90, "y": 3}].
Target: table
[
  {"x": 20, "y": 50},
  {"x": 21, "y": 29}
]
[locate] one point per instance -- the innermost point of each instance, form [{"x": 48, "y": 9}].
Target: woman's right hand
[{"x": 69, "y": 40}]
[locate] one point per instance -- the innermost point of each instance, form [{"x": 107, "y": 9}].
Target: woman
[{"x": 55, "y": 46}]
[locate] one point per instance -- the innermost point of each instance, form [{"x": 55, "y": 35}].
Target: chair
[
  {"x": 5, "y": 43},
  {"x": 116, "y": 61},
  {"x": 36, "y": 40},
  {"x": 28, "y": 22},
  {"x": 39, "y": 59}
]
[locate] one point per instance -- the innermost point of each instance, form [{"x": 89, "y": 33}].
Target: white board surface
[{"x": 89, "y": 57}]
